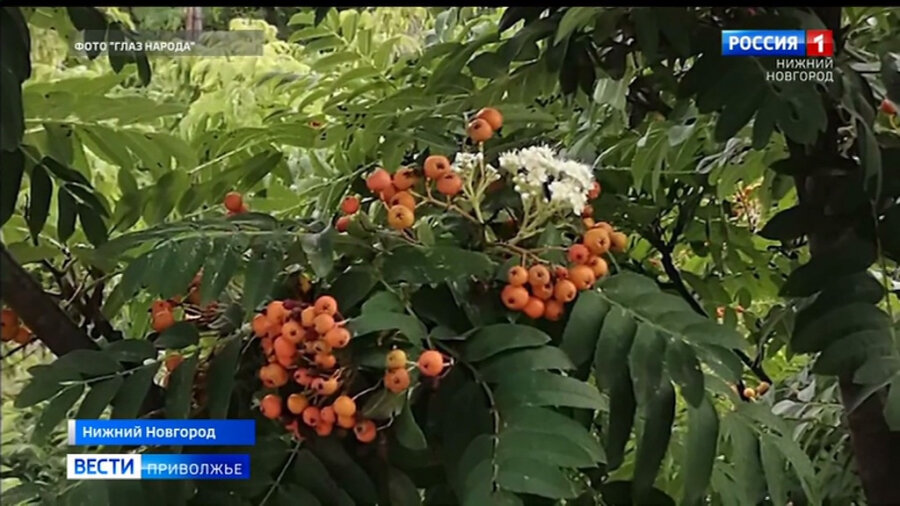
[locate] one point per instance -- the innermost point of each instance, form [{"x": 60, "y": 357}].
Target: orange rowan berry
[
  {"x": 296, "y": 403},
  {"x": 344, "y": 406},
  {"x": 396, "y": 380},
  {"x": 311, "y": 416},
  {"x": 233, "y": 202},
  {"x": 514, "y": 297},
  {"x": 173, "y": 361},
  {"x": 888, "y": 107},
  {"x": 270, "y": 405},
  {"x": 323, "y": 323},
  {"x": 542, "y": 292},
  {"x": 534, "y": 309},
  {"x": 342, "y": 224},
  {"x": 598, "y": 266},
  {"x": 322, "y": 346},
  {"x": 605, "y": 226},
  {"x": 578, "y": 253},
  {"x": 23, "y": 336},
  {"x": 553, "y": 310},
  {"x": 292, "y": 331},
  {"x": 326, "y": 304},
  {"x": 276, "y": 313},
  {"x": 560, "y": 272},
  {"x": 260, "y": 325},
  {"x": 431, "y": 363},
  {"x": 273, "y": 375},
  {"x": 10, "y": 322},
  {"x": 618, "y": 241},
  {"x": 449, "y": 184},
  {"x": 324, "y": 428},
  {"x": 159, "y": 306},
  {"x": 587, "y": 211},
  {"x": 479, "y": 130},
  {"x": 538, "y": 275},
  {"x": 365, "y": 431},
  {"x": 378, "y": 181},
  {"x": 327, "y": 415},
  {"x": 302, "y": 377},
  {"x": 338, "y": 337},
  {"x": 163, "y": 320},
  {"x": 284, "y": 347},
  {"x": 762, "y": 388},
  {"x": 404, "y": 199},
  {"x": 597, "y": 240},
  {"x": 582, "y": 276},
  {"x": 436, "y": 166},
  {"x": 565, "y": 291},
  {"x": 346, "y": 422},
  {"x": 404, "y": 179},
  {"x": 400, "y": 217},
  {"x": 588, "y": 222},
  {"x": 350, "y": 205},
  {"x": 387, "y": 194},
  {"x": 267, "y": 345},
  {"x": 749, "y": 393},
  {"x": 307, "y": 317},
  {"x": 594, "y": 192},
  {"x": 395, "y": 359},
  {"x": 326, "y": 361},
  {"x": 517, "y": 275},
  {"x": 492, "y": 116}
]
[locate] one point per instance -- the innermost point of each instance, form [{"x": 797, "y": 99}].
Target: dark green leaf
[
  {"x": 407, "y": 325},
  {"x": 407, "y": 430},
  {"x": 774, "y": 467},
  {"x": 39, "y": 201},
  {"x": 654, "y": 440},
  {"x": 260, "y": 276},
  {"x": 621, "y": 493},
  {"x": 180, "y": 388},
  {"x": 402, "y": 490},
  {"x": 542, "y": 388},
  {"x": 13, "y": 163},
  {"x": 128, "y": 401},
  {"x": 645, "y": 363},
  {"x": 93, "y": 225},
  {"x": 527, "y": 359},
  {"x": 435, "y": 265},
  {"x": 55, "y": 411},
  {"x": 180, "y": 335},
  {"x": 98, "y": 397},
  {"x": 382, "y": 405},
  {"x": 533, "y": 476},
  {"x": 346, "y": 471},
  {"x": 220, "y": 382},
  {"x": 220, "y": 268},
  {"x": 88, "y": 362},
  {"x": 839, "y": 323},
  {"x": 554, "y": 448},
  {"x": 579, "y": 339},
  {"x": 543, "y": 420},
  {"x": 613, "y": 347},
  {"x": 851, "y": 256},
  {"x": 131, "y": 350},
  {"x": 352, "y": 286},
  {"x": 319, "y": 249},
  {"x": 685, "y": 369},
  {"x": 294, "y": 495},
  {"x": 65, "y": 215},
  {"x": 786, "y": 225},
  {"x": 488, "y": 341},
  {"x": 43, "y": 386},
  {"x": 699, "y": 450},
  {"x": 128, "y": 286}
]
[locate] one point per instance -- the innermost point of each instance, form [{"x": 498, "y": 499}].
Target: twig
[{"x": 281, "y": 474}]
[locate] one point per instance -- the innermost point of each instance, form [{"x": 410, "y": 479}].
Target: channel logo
[
  {"x": 157, "y": 466},
  {"x": 808, "y": 43}
]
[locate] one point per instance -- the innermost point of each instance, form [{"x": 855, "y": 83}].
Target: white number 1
[{"x": 820, "y": 40}]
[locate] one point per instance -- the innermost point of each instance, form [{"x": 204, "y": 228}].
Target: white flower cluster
[
  {"x": 538, "y": 168},
  {"x": 468, "y": 163}
]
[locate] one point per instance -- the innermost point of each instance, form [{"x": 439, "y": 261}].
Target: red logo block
[{"x": 819, "y": 43}]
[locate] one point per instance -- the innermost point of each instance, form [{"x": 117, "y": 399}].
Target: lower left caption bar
[{"x": 157, "y": 466}]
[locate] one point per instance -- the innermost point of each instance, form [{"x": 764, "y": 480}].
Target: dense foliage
[{"x": 729, "y": 336}]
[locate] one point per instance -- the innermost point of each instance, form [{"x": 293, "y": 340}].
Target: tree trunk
[
  {"x": 39, "y": 312},
  {"x": 875, "y": 447}
]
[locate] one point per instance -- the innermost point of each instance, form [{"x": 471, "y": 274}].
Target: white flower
[{"x": 535, "y": 167}]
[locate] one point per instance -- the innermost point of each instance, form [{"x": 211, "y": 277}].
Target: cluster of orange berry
[
  {"x": 299, "y": 340},
  {"x": 234, "y": 203},
  {"x": 754, "y": 393},
  {"x": 349, "y": 206},
  {"x": 486, "y": 122},
  {"x": 162, "y": 312},
  {"x": 550, "y": 291},
  {"x": 13, "y": 329},
  {"x": 397, "y": 191}
]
